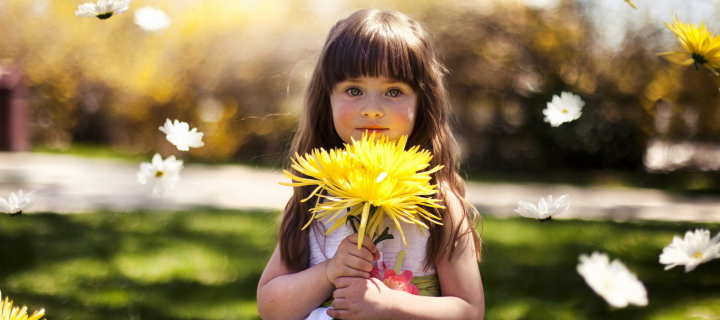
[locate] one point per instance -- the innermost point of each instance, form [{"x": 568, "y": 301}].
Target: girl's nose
[{"x": 373, "y": 108}]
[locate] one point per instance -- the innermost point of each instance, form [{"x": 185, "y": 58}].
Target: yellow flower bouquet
[
  {"x": 366, "y": 180},
  {"x": 8, "y": 312}
]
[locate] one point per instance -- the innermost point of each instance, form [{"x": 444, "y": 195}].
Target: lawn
[{"x": 205, "y": 264}]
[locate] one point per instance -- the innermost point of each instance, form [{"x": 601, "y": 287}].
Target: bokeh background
[{"x": 237, "y": 70}]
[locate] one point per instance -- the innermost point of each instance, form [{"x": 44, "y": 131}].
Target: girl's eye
[
  {"x": 394, "y": 92},
  {"x": 353, "y": 91}
]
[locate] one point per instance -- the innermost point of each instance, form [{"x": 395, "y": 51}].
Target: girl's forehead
[{"x": 382, "y": 79}]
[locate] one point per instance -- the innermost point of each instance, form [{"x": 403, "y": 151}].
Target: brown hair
[{"x": 374, "y": 43}]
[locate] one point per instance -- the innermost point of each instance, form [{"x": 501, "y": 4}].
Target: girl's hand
[
  {"x": 357, "y": 298},
  {"x": 348, "y": 261}
]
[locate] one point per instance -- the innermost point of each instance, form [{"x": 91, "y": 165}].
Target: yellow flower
[
  {"x": 7, "y": 312},
  {"x": 701, "y": 44},
  {"x": 369, "y": 175},
  {"x": 631, "y": 4}
]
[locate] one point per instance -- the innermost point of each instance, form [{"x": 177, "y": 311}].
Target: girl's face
[{"x": 373, "y": 104}]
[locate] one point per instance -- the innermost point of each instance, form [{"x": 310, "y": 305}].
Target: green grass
[
  {"x": 205, "y": 264},
  {"x": 97, "y": 151}
]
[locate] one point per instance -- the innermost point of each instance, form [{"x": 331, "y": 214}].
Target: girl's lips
[{"x": 371, "y": 130}]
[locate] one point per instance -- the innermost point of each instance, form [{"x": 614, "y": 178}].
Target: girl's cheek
[
  {"x": 411, "y": 114},
  {"x": 342, "y": 118}
]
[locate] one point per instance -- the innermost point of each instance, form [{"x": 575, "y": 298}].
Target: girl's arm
[
  {"x": 460, "y": 283},
  {"x": 282, "y": 294}
]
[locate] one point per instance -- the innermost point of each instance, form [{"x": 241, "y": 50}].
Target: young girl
[{"x": 377, "y": 73}]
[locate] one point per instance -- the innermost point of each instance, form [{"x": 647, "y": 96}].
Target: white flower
[
  {"x": 565, "y": 108},
  {"x": 103, "y": 9},
  {"x": 15, "y": 204},
  {"x": 151, "y": 19},
  {"x": 545, "y": 209},
  {"x": 697, "y": 248},
  {"x": 181, "y": 136},
  {"x": 612, "y": 281},
  {"x": 161, "y": 174}
]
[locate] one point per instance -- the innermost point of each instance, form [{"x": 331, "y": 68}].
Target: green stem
[
  {"x": 354, "y": 221},
  {"x": 383, "y": 236}
]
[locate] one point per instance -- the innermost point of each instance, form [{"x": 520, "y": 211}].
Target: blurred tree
[{"x": 237, "y": 70}]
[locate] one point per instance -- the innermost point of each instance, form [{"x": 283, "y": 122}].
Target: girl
[{"x": 377, "y": 73}]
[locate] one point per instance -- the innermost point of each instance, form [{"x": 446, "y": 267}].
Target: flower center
[
  {"x": 105, "y": 15},
  {"x": 699, "y": 59},
  {"x": 698, "y": 255},
  {"x": 159, "y": 174},
  {"x": 564, "y": 111}
]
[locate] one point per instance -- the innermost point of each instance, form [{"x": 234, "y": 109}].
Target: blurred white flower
[
  {"x": 612, "y": 280},
  {"x": 103, "y": 9},
  {"x": 151, "y": 19},
  {"x": 161, "y": 174},
  {"x": 179, "y": 134},
  {"x": 696, "y": 248},
  {"x": 564, "y": 108},
  {"x": 15, "y": 204},
  {"x": 545, "y": 209}
]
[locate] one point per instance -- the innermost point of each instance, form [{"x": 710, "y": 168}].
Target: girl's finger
[
  {"x": 367, "y": 242},
  {"x": 359, "y": 263},
  {"x": 350, "y": 272},
  {"x": 337, "y": 314},
  {"x": 341, "y": 283},
  {"x": 362, "y": 254},
  {"x": 338, "y": 294}
]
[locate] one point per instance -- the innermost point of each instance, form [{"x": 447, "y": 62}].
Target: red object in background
[{"x": 14, "y": 132}]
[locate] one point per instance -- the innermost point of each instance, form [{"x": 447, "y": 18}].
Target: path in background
[{"x": 68, "y": 184}]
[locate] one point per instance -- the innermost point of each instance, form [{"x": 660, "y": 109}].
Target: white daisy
[
  {"x": 179, "y": 134},
  {"x": 161, "y": 174},
  {"x": 696, "y": 248},
  {"x": 151, "y": 19},
  {"x": 612, "y": 280},
  {"x": 565, "y": 108},
  {"x": 545, "y": 209},
  {"x": 15, "y": 204},
  {"x": 103, "y": 9}
]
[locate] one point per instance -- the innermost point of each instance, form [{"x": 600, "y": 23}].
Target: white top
[{"x": 323, "y": 247}]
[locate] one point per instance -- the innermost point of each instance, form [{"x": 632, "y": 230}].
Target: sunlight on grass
[
  {"x": 532, "y": 309},
  {"x": 689, "y": 309},
  {"x": 88, "y": 150},
  {"x": 180, "y": 260},
  {"x": 205, "y": 264},
  {"x": 55, "y": 278},
  {"x": 226, "y": 310},
  {"x": 201, "y": 264}
]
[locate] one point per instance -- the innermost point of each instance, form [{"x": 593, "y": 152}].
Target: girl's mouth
[{"x": 373, "y": 130}]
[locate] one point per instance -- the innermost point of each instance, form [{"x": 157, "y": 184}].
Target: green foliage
[{"x": 205, "y": 264}]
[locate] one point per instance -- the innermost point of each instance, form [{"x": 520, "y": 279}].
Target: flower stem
[
  {"x": 355, "y": 220},
  {"x": 383, "y": 236}
]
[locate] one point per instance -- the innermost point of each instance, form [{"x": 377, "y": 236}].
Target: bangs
[{"x": 383, "y": 47}]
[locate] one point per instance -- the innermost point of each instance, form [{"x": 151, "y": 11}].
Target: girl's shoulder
[
  {"x": 453, "y": 204},
  {"x": 451, "y": 200},
  {"x": 458, "y": 209}
]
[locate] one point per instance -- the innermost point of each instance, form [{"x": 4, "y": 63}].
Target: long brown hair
[{"x": 375, "y": 43}]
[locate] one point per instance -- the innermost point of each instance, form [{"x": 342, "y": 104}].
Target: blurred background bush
[{"x": 237, "y": 71}]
